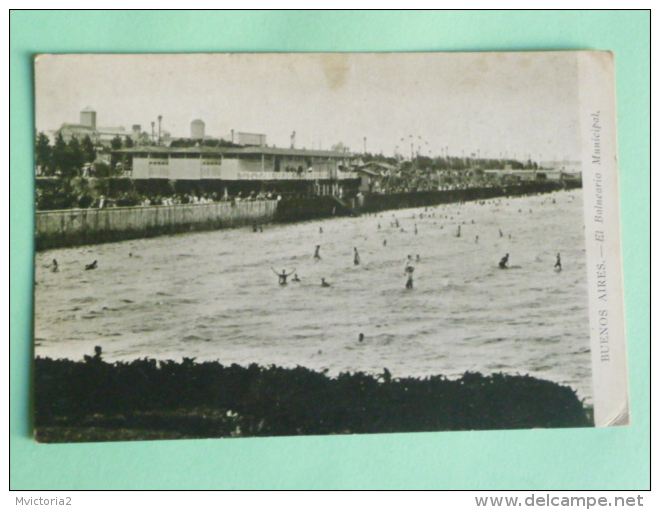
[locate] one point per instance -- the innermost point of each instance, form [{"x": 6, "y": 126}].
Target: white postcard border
[{"x": 603, "y": 237}]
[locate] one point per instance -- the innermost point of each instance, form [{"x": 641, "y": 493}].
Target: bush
[{"x": 212, "y": 400}]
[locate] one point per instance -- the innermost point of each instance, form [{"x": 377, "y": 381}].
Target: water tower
[
  {"x": 197, "y": 129},
  {"x": 88, "y": 118}
]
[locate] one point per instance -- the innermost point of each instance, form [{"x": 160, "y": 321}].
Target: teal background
[{"x": 614, "y": 458}]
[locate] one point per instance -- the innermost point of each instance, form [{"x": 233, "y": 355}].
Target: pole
[{"x": 160, "y": 118}]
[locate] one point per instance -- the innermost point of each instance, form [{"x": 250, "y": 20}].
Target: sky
[{"x": 520, "y": 105}]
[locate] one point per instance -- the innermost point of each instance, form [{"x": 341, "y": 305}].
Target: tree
[
  {"x": 88, "y": 150},
  {"x": 42, "y": 153},
  {"x": 115, "y": 145},
  {"x": 58, "y": 155},
  {"x": 128, "y": 142},
  {"x": 75, "y": 157}
]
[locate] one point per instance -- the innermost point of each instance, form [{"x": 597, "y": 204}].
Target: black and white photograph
[{"x": 254, "y": 245}]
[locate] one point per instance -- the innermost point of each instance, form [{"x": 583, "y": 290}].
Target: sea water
[{"x": 215, "y": 295}]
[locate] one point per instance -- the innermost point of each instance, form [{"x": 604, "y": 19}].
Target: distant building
[
  {"x": 88, "y": 127},
  {"x": 79, "y": 131},
  {"x": 565, "y": 165},
  {"x": 371, "y": 175},
  {"x": 197, "y": 128},
  {"x": 537, "y": 175},
  {"x": 88, "y": 118},
  {"x": 252, "y": 139},
  {"x": 370, "y": 180}
]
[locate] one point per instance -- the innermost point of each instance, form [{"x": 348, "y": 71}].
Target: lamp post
[{"x": 160, "y": 118}]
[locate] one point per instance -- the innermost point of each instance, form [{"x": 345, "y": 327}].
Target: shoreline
[{"x": 84, "y": 227}]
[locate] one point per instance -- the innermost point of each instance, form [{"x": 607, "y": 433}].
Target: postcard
[{"x": 253, "y": 245}]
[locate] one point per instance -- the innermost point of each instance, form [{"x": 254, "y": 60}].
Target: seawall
[
  {"x": 295, "y": 209},
  {"x": 76, "y": 227},
  {"x": 376, "y": 202}
]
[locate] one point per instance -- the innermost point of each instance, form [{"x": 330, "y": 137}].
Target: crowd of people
[{"x": 60, "y": 199}]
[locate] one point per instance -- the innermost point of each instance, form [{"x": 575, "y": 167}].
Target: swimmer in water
[
  {"x": 418, "y": 259},
  {"x": 476, "y": 240},
  {"x": 415, "y": 228},
  {"x": 361, "y": 337},
  {"x": 558, "y": 263},
  {"x": 317, "y": 255},
  {"x": 501, "y": 233},
  {"x": 324, "y": 283},
  {"x": 54, "y": 268},
  {"x": 91, "y": 266},
  {"x": 356, "y": 257},
  {"x": 295, "y": 278},
  {"x": 384, "y": 242},
  {"x": 379, "y": 226},
  {"x": 504, "y": 261},
  {"x": 458, "y": 232},
  {"x": 408, "y": 271},
  {"x": 320, "y": 230},
  {"x": 282, "y": 276}
]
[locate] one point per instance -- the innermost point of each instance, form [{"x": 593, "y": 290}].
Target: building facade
[{"x": 253, "y": 164}]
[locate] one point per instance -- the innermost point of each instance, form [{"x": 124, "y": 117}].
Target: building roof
[
  {"x": 88, "y": 109},
  {"x": 381, "y": 164},
  {"x": 367, "y": 171},
  {"x": 272, "y": 151}
]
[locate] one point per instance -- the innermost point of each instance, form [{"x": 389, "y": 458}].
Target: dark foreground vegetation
[{"x": 91, "y": 400}]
